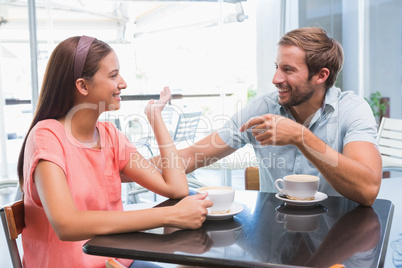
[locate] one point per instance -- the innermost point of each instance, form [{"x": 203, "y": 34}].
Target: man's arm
[
  {"x": 355, "y": 174},
  {"x": 202, "y": 153}
]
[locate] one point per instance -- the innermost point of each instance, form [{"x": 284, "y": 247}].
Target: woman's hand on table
[{"x": 191, "y": 211}]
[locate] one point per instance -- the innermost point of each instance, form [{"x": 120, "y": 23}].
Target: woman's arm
[
  {"x": 204, "y": 152},
  {"x": 172, "y": 182},
  {"x": 71, "y": 224}
]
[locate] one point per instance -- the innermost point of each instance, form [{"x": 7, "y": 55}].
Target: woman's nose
[{"x": 122, "y": 84}]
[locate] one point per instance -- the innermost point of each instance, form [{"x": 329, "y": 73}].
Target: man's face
[{"x": 291, "y": 76}]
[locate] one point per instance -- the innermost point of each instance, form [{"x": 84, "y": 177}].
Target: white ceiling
[{"x": 111, "y": 20}]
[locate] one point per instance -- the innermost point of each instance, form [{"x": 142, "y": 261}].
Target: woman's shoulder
[
  {"x": 46, "y": 133},
  {"x": 50, "y": 125}
]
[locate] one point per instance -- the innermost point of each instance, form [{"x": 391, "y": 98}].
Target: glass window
[
  {"x": 203, "y": 50},
  {"x": 15, "y": 84},
  {"x": 370, "y": 32},
  {"x": 326, "y": 14},
  {"x": 214, "y": 55}
]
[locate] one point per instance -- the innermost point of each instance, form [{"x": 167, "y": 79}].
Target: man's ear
[
  {"x": 322, "y": 76},
  {"x": 81, "y": 86}
]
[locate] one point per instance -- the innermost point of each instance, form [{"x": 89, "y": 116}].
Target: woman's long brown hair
[{"x": 57, "y": 94}]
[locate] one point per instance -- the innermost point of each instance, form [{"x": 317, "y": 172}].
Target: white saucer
[
  {"x": 307, "y": 212},
  {"x": 235, "y": 209},
  {"x": 317, "y": 198}
]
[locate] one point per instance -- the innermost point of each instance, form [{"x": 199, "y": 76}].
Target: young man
[{"x": 307, "y": 126}]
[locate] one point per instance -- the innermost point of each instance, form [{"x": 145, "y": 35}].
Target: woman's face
[{"x": 105, "y": 87}]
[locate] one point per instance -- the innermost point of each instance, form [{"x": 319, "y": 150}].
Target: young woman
[{"x": 70, "y": 164}]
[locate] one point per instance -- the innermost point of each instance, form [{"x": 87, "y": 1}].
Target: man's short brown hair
[{"x": 321, "y": 50}]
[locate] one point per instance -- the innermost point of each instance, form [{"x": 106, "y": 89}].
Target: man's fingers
[
  {"x": 254, "y": 122},
  {"x": 251, "y": 123}
]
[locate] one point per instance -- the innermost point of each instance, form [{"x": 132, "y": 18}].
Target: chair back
[
  {"x": 252, "y": 178},
  {"x": 390, "y": 143},
  {"x": 167, "y": 114},
  {"x": 186, "y": 127},
  {"x": 12, "y": 217}
]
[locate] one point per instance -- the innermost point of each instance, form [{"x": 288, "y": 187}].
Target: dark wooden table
[{"x": 267, "y": 233}]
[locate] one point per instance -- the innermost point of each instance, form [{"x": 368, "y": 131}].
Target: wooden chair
[
  {"x": 12, "y": 217},
  {"x": 390, "y": 143},
  {"x": 252, "y": 178}
]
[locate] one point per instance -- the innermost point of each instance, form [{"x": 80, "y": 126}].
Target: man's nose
[{"x": 278, "y": 78}]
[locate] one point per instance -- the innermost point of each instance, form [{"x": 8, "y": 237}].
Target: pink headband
[{"x": 81, "y": 55}]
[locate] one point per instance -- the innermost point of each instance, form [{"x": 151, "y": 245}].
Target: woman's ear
[
  {"x": 322, "y": 76},
  {"x": 81, "y": 86}
]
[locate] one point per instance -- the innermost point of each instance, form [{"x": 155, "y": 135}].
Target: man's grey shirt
[{"x": 343, "y": 118}]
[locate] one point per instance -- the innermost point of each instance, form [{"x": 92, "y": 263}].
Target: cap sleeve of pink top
[{"x": 94, "y": 181}]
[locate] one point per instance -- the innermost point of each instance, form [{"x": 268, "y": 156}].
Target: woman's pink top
[{"x": 94, "y": 181}]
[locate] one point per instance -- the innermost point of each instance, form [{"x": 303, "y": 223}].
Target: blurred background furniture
[
  {"x": 252, "y": 178},
  {"x": 167, "y": 116},
  {"x": 239, "y": 160},
  {"x": 10, "y": 191},
  {"x": 185, "y": 130},
  {"x": 390, "y": 143},
  {"x": 186, "y": 127},
  {"x": 12, "y": 217},
  {"x": 8, "y": 183}
]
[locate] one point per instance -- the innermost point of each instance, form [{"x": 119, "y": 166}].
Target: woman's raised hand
[{"x": 154, "y": 107}]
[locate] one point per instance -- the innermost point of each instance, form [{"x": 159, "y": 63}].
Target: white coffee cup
[
  {"x": 222, "y": 198},
  {"x": 299, "y": 187},
  {"x": 298, "y": 223}
]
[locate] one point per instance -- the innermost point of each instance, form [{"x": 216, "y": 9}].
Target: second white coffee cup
[
  {"x": 222, "y": 198},
  {"x": 302, "y": 187}
]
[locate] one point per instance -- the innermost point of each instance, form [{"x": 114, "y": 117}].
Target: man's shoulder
[
  {"x": 343, "y": 97},
  {"x": 349, "y": 96}
]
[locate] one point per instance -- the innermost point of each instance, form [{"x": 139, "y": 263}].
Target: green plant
[
  {"x": 375, "y": 103},
  {"x": 251, "y": 93}
]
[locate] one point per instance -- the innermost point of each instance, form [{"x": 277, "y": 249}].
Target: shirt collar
[
  {"x": 331, "y": 99},
  {"x": 329, "y": 104}
]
